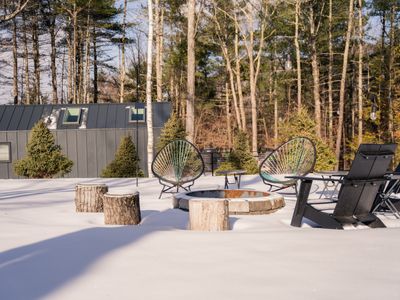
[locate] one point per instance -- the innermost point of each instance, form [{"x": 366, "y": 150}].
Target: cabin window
[
  {"x": 72, "y": 115},
  {"x": 5, "y": 152},
  {"x": 137, "y": 114}
]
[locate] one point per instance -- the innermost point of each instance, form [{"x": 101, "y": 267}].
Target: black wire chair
[
  {"x": 296, "y": 157},
  {"x": 177, "y": 165}
]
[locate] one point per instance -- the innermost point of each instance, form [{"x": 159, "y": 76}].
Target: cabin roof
[{"x": 107, "y": 115}]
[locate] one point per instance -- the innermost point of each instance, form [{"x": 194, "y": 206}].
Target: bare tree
[
  {"x": 20, "y": 7},
  {"x": 330, "y": 80},
  {"x": 122, "y": 69},
  {"x": 150, "y": 137},
  {"x": 15, "y": 62},
  {"x": 360, "y": 73},
  {"x": 343, "y": 82},
  {"x": 159, "y": 35},
  {"x": 298, "y": 57},
  {"x": 191, "y": 70}
]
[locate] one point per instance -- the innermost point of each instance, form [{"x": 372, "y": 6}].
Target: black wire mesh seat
[
  {"x": 296, "y": 157},
  {"x": 177, "y": 165}
]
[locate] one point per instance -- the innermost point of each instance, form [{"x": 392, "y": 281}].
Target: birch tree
[{"x": 150, "y": 137}]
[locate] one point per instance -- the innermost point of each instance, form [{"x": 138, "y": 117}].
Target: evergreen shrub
[
  {"x": 44, "y": 158},
  {"x": 240, "y": 157},
  {"x": 173, "y": 130},
  {"x": 302, "y": 124},
  {"x": 125, "y": 163}
]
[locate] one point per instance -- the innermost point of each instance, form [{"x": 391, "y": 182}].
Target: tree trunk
[
  {"x": 122, "y": 209},
  {"x": 89, "y": 197},
  {"x": 191, "y": 70},
  {"x": 26, "y": 63},
  {"x": 74, "y": 54},
  {"x": 53, "y": 55},
  {"x": 122, "y": 74},
  {"x": 330, "y": 84},
  {"x": 159, "y": 20},
  {"x": 343, "y": 83},
  {"x": 228, "y": 116},
  {"x": 70, "y": 71},
  {"x": 390, "y": 71},
  {"x": 86, "y": 80},
  {"x": 15, "y": 63},
  {"x": 20, "y": 7},
  {"x": 36, "y": 59},
  {"x": 360, "y": 73},
  {"x": 148, "y": 89},
  {"x": 243, "y": 124},
  {"x": 315, "y": 74},
  {"x": 210, "y": 215},
  {"x": 298, "y": 58},
  {"x": 95, "y": 85}
]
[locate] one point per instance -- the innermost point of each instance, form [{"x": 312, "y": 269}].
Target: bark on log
[
  {"x": 208, "y": 215},
  {"x": 89, "y": 197},
  {"x": 122, "y": 209}
]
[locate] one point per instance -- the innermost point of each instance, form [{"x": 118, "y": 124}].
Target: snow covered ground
[{"x": 48, "y": 251}]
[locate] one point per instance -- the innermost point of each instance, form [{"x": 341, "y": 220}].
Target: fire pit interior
[{"x": 240, "y": 201}]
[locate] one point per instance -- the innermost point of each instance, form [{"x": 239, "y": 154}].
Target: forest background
[{"x": 270, "y": 68}]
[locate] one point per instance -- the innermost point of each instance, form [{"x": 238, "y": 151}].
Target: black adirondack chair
[
  {"x": 356, "y": 195},
  {"x": 177, "y": 165}
]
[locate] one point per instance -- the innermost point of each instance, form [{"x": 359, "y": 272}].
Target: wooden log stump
[
  {"x": 209, "y": 215},
  {"x": 89, "y": 197},
  {"x": 122, "y": 209}
]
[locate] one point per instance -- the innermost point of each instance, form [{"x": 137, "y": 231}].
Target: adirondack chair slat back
[
  {"x": 357, "y": 194},
  {"x": 178, "y": 162},
  {"x": 295, "y": 157}
]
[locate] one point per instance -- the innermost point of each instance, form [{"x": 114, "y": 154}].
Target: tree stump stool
[
  {"x": 89, "y": 197},
  {"x": 121, "y": 209},
  {"x": 209, "y": 215}
]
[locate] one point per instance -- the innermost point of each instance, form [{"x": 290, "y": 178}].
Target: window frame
[
  {"x": 131, "y": 113},
  {"x": 65, "y": 116},
  {"x": 9, "y": 152}
]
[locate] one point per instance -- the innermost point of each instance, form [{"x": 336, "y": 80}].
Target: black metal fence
[{"x": 213, "y": 158}]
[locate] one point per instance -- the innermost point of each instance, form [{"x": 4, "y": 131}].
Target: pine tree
[
  {"x": 44, "y": 158},
  {"x": 173, "y": 129},
  {"x": 126, "y": 161},
  {"x": 302, "y": 124},
  {"x": 240, "y": 157}
]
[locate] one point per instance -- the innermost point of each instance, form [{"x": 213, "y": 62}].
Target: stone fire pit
[{"x": 241, "y": 202}]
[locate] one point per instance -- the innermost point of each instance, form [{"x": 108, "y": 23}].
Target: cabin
[{"x": 89, "y": 134}]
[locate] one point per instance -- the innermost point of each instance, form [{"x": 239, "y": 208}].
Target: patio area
[{"x": 48, "y": 251}]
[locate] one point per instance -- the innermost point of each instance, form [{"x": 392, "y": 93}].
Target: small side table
[
  {"x": 237, "y": 174},
  {"x": 334, "y": 184}
]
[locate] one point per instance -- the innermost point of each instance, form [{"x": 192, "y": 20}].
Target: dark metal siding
[
  {"x": 90, "y": 149},
  {"x": 3, "y": 165},
  {"x": 26, "y": 117},
  {"x": 36, "y": 116},
  {"x": 6, "y": 118},
  {"x": 16, "y": 118}
]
